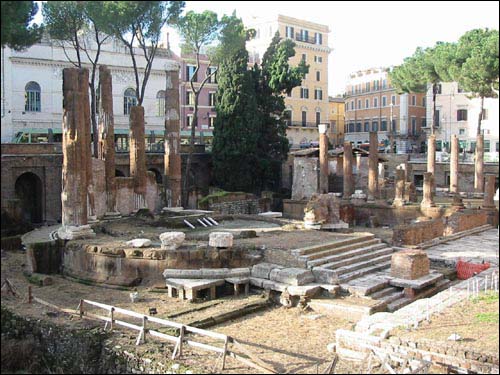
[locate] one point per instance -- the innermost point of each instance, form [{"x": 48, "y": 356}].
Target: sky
[{"x": 368, "y": 34}]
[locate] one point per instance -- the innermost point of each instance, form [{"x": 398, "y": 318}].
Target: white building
[
  {"x": 31, "y": 89},
  {"x": 458, "y": 115}
]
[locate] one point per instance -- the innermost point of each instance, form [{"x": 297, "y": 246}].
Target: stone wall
[
  {"x": 125, "y": 194},
  {"x": 305, "y": 177},
  {"x": 247, "y": 206},
  {"x": 465, "y": 220},
  {"x": 386, "y": 215}
]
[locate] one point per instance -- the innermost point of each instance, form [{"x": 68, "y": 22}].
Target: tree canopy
[{"x": 17, "y": 31}]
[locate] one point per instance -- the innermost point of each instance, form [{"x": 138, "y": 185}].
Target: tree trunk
[
  {"x": 434, "y": 92},
  {"x": 95, "y": 142},
  {"x": 191, "y": 149},
  {"x": 480, "y": 117}
]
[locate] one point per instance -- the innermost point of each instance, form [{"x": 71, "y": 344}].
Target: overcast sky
[{"x": 368, "y": 34}]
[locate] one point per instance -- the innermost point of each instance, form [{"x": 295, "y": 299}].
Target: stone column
[
  {"x": 84, "y": 87},
  {"x": 75, "y": 154},
  {"x": 428, "y": 198},
  {"x": 107, "y": 138},
  {"x": 172, "y": 159},
  {"x": 373, "y": 168},
  {"x": 358, "y": 163},
  {"x": 347, "y": 167},
  {"x": 431, "y": 154},
  {"x": 138, "y": 156},
  {"x": 479, "y": 165},
  {"x": 454, "y": 165},
  {"x": 399, "y": 195},
  {"x": 323, "y": 159},
  {"x": 489, "y": 192}
]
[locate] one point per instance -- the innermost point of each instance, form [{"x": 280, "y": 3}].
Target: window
[
  {"x": 393, "y": 125},
  {"x": 213, "y": 78},
  {"x": 424, "y": 123},
  {"x": 211, "y": 99},
  {"x": 497, "y": 147},
  {"x": 352, "y": 105},
  {"x": 289, "y": 32},
  {"x": 413, "y": 100},
  {"x": 190, "y": 73},
  {"x": 384, "y": 101},
  {"x": 486, "y": 146},
  {"x": 439, "y": 89},
  {"x": 287, "y": 116},
  {"x": 189, "y": 98},
  {"x": 318, "y": 94},
  {"x": 359, "y": 104},
  {"x": 485, "y": 114},
  {"x": 375, "y": 102},
  {"x": 304, "y": 93},
  {"x": 318, "y": 76},
  {"x": 367, "y": 126},
  {"x": 351, "y": 127},
  {"x": 304, "y": 118},
  {"x": 129, "y": 100},
  {"x": 211, "y": 122},
  {"x": 160, "y": 103},
  {"x": 393, "y": 99},
  {"x": 319, "y": 38},
  {"x": 304, "y": 57},
  {"x": 376, "y": 85},
  {"x": 384, "y": 84},
  {"x": 32, "y": 97},
  {"x": 304, "y": 35},
  {"x": 374, "y": 126},
  {"x": 367, "y": 103},
  {"x": 413, "y": 126},
  {"x": 318, "y": 118},
  {"x": 383, "y": 125},
  {"x": 318, "y": 59},
  {"x": 462, "y": 115},
  {"x": 367, "y": 86},
  {"x": 461, "y": 131},
  {"x": 436, "y": 119},
  {"x": 358, "y": 127},
  {"x": 189, "y": 121},
  {"x": 424, "y": 104}
]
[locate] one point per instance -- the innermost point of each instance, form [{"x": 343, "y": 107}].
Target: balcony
[
  {"x": 301, "y": 38},
  {"x": 302, "y": 124}
]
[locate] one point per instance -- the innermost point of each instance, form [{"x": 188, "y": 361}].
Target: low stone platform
[
  {"x": 419, "y": 283},
  {"x": 189, "y": 288}
]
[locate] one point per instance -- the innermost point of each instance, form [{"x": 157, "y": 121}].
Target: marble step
[
  {"x": 394, "y": 296},
  {"x": 363, "y": 271},
  {"x": 328, "y": 245},
  {"x": 357, "y": 256},
  {"x": 399, "y": 303},
  {"x": 339, "y": 250},
  {"x": 358, "y": 265}
]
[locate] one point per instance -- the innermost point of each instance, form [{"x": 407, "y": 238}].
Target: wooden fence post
[
  {"x": 81, "y": 308},
  {"x": 225, "y": 351}
]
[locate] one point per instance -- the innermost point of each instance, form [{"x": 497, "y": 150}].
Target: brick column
[
  {"x": 428, "y": 199},
  {"x": 323, "y": 159},
  {"x": 479, "y": 165},
  {"x": 138, "y": 155},
  {"x": 373, "y": 192},
  {"x": 399, "y": 185},
  {"x": 489, "y": 192},
  {"x": 347, "y": 168},
  {"x": 107, "y": 137},
  {"x": 172, "y": 158},
  {"x": 454, "y": 165},
  {"x": 76, "y": 151}
]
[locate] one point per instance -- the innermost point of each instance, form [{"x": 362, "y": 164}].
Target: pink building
[{"x": 206, "y": 102}]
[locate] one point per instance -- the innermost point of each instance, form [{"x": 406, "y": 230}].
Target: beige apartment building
[
  {"x": 307, "y": 105},
  {"x": 372, "y": 104},
  {"x": 337, "y": 120}
]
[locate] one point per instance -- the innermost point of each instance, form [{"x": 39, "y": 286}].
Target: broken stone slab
[
  {"x": 271, "y": 214},
  {"x": 133, "y": 253},
  {"x": 417, "y": 283},
  {"x": 182, "y": 273},
  {"x": 220, "y": 239},
  {"x": 70, "y": 232},
  {"x": 262, "y": 270},
  {"x": 292, "y": 276},
  {"x": 255, "y": 281},
  {"x": 139, "y": 242},
  {"x": 172, "y": 240},
  {"x": 304, "y": 290},
  {"x": 206, "y": 273},
  {"x": 340, "y": 225},
  {"x": 273, "y": 285}
]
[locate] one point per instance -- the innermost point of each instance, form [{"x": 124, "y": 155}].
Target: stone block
[
  {"x": 262, "y": 270},
  {"x": 220, "y": 239},
  {"x": 272, "y": 285},
  {"x": 292, "y": 276},
  {"x": 305, "y": 290},
  {"x": 139, "y": 242},
  {"x": 69, "y": 232},
  {"x": 325, "y": 275},
  {"x": 256, "y": 281},
  {"x": 181, "y": 274},
  {"x": 133, "y": 253},
  {"x": 171, "y": 240},
  {"x": 154, "y": 254},
  {"x": 410, "y": 264},
  {"x": 112, "y": 251}
]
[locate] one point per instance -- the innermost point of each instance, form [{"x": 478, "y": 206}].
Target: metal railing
[{"x": 302, "y": 38}]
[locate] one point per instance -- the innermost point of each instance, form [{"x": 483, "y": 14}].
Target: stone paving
[{"x": 474, "y": 248}]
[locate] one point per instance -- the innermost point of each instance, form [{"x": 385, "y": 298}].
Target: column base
[
  {"x": 112, "y": 215},
  {"x": 70, "y": 232}
]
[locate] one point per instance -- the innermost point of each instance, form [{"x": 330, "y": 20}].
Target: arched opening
[
  {"x": 119, "y": 173},
  {"x": 158, "y": 176},
  {"x": 29, "y": 191}
]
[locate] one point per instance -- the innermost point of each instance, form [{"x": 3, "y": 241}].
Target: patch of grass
[
  {"x": 487, "y": 317},
  {"x": 488, "y": 297}
]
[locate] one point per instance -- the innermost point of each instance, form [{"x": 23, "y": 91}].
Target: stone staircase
[{"x": 341, "y": 261}]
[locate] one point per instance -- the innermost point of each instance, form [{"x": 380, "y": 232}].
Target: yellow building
[
  {"x": 337, "y": 120},
  {"x": 307, "y": 105}
]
